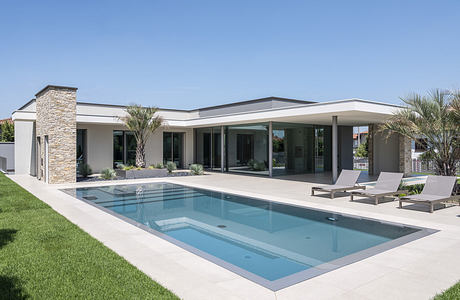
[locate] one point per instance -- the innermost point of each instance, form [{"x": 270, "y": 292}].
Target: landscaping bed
[
  {"x": 44, "y": 256},
  {"x": 121, "y": 176}
]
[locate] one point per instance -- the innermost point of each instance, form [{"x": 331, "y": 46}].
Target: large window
[
  {"x": 208, "y": 147},
  {"x": 173, "y": 148},
  {"x": 81, "y": 146},
  {"x": 124, "y": 148},
  {"x": 296, "y": 148},
  {"x": 247, "y": 148},
  {"x": 300, "y": 148}
]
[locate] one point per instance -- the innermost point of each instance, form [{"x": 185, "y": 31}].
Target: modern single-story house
[{"x": 270, "y": 136}]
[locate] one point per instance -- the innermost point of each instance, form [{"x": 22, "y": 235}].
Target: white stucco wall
[
  {"x": 7, "y": 152},
  {"x": 24, "y": 147},
  {"x": 99, "y": 143}
]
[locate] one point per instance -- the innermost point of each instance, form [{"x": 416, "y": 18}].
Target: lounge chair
[
  {"x": 387, "y": 185},
  {"x": 437, "y": 189},
  {"x": 345, "y": 182}
]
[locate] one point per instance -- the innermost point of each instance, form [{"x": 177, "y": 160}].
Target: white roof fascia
[
  {"x": 23, "y": 115},
  {"x": 336, "y": 108},
  {"x": 192, "y": 119}
]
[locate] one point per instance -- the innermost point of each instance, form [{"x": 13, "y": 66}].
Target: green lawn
[
  {"x": 44, "y": 256},
  {"x": 450, "y": 294}
]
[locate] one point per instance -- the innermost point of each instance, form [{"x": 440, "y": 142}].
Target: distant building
[
  {"x": 418, "y": 148},
  {"x": 362, "y": 138}
]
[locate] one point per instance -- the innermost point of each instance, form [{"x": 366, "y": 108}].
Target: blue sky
[{"x": 189, "y": 54}]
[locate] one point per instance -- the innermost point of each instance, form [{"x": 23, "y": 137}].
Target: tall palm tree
[
  {"x": 142, "y": 122},
  {"x": 435, "y": 118}
]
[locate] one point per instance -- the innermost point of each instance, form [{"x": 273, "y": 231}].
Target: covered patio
[{"x": 309, "y": 139}]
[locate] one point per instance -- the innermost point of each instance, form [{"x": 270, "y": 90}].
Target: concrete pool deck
[{"x": 416, "y": 270}]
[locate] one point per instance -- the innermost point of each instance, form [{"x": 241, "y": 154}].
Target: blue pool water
[{"x": 267, "y": 239}]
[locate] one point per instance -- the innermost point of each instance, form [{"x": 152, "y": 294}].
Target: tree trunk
[
  {"x": 140, "y": 155},
  {"x": 445, "y": 168}
]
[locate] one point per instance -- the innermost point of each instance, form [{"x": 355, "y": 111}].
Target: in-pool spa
[{"x": 273, "y": 244}]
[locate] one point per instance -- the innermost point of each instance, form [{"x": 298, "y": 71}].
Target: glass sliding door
[
  {"x": 131, "y": 146},
  {"x": 118, "y": 148},
  {"x": 296, "y": 148},
  {"x": 279, "y": 151},
  {"x": 81, "y": 146},
  {"x": 208, "y": 148},
  {"x": 173, "y": 148},
  {"x": 247, "y": 149},
  {"x": 178, "y": 149},
  {"x": 124, "y": 148},
  {"x": 300, "y": 148},
  {"x": 216, "y": 149},
  {"x": 323, "y": 144}
]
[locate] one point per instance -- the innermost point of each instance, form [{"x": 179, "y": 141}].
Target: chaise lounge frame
[
  {"x": 387, "y": 185},
  {"x": 341, "y": 184},
  {"x": 437, "y": 187}
]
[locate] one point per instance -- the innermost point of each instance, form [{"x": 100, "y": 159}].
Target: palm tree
[
  {"x": 142, "y": 122},
  {"x": 435, "y": 118}
]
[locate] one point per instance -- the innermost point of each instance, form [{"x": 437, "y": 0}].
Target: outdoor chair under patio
[
  {"x": 387, "y": 185},
  {"x": 437, "y": 189},
  {"x": 346, "y": 181}
]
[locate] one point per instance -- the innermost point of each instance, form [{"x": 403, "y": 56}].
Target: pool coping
[{"x": 286, "y": 281}]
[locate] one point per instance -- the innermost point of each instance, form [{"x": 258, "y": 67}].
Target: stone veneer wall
[
  {"x": 56, "y": 118},
  {"x": 370, "y": 144},
  {"x": 405, "y": 155}
]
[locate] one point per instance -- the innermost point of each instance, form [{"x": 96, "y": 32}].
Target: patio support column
[
  {"x": 334, "y": 148},
  {"x": 270, "y": 149},
  {"x": 222, "y": 151}
]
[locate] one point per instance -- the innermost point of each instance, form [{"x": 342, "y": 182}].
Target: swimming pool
[{"x": 273, "y": 244}]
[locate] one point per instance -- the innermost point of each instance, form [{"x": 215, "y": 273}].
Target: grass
[
  {"x": 44, "y": 256},
  {"x": 450, "y": 294}
]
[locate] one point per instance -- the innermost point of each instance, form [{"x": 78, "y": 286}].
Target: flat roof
[{"x": 287, "y": 100}]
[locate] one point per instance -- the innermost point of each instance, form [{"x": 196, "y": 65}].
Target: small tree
[
  {"x": 142, "y": 122},
  {"x": 436, "y": 118},
  {"x": 362, "y": 150},
  {"x": 7, "y": 132}
]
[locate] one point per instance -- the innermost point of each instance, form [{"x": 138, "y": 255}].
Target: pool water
[{"x": 267, "y": 242}]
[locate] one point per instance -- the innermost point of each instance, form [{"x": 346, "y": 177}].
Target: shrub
[
  {"x": 127, "y": 168},
  {"x": 259, "y": 166},
  {"x": 84, "y": 170},
  {"x": 160, "y": 166},
  {"x": 251, "y": 163},
  {"x": 120, "y": 166},
  {"x": 411, "y": 189},
  {"x": 415, "y": 188},
  {"x": 196, "y": 169},
  {"x": 171, "y": 166},
  {"x": 108, "y": 174},
  {"x": 363, "y": 150},
  {"x": 151, "y": 167}
]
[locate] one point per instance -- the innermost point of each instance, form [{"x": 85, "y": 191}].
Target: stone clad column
[
  {"x": 335, "y": 149},
  {"x": 370, "y": 152},
  {"x": 56, "y": 121},
  {"x": 405, "y": 155}
]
